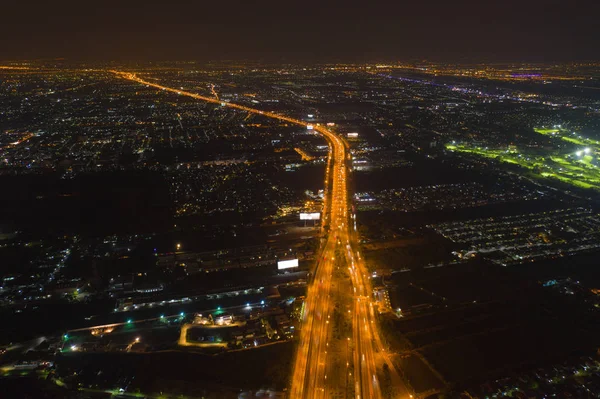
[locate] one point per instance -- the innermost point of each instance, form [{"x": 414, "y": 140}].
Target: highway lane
[
  {"x": 376, "y": 351},
  {"x": 363, "y": 323},
  {"x": 309, "y": 378}
]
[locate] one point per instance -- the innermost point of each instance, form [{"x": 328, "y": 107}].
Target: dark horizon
[{"x": 465, "y": 31}]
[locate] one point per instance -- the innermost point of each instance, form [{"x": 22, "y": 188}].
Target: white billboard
[
  {"x": 352, "y": 134},
  {"x": 310, "y": 127},
  {"x": 310, "y": 216},
  {"x": 287, "y": 264}
]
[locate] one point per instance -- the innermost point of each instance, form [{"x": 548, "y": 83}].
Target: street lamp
[{"x": 178, "y": 246}]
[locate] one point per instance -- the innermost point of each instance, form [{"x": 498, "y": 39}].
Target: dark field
[
  {"x": 96, "y": 205},
  {"x": 418, "y": 374},
  {"x": 185, "y": 372},
  {"x": 401, "y": 253},
  {"x": 482, "y": 320},
  {"x": 424, "y": 172}
]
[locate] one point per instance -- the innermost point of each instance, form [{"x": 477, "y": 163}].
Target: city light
[
  {"x": 310, "y": 216},
  {"x": 287, "y": 264}
]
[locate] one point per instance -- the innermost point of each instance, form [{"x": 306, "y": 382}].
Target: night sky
[{"x": 311, "y": 31}]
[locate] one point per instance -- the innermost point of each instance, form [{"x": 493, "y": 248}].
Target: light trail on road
[{"x": 309, "y": 376}]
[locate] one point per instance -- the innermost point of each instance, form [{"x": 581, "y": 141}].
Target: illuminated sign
[
  {"x": 310, "y": 115},
  {"x": 310, "y": 127},
  {"x": 310, "y": 216},
  {"x": 287, "y": 264},
  {"x": 330, "y": 124},
  {"x": 352, "y": 134}
]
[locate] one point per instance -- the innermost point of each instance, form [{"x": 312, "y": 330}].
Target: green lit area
[
  {"x": 578, "y": 168},
  {"x": 546, "y": 131},
  {"x": 569, "y": 137}
]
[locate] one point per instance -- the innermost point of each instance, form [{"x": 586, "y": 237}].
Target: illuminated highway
[{"x": 312, "y": 364}]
